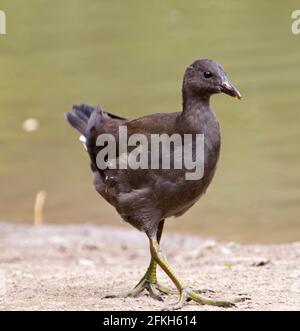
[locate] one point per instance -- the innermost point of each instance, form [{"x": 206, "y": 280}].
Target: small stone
[
  {"x": 260, "y": 263},
  {"x": 30, "y": 124},
  {"x": 86, "y": 262}
]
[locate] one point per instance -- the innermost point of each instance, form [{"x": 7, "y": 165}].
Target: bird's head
[{"x": 206, "y": 77}]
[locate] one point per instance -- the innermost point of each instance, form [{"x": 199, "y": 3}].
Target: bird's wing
[
  {"x": 154, "y": 124},
  {"x": 102, "y": 123}
]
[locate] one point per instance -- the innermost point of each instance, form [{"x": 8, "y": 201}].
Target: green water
[{"x": 130, "y": 57}]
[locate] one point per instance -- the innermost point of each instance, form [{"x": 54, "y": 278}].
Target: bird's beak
[{"x": 228, "y": 88}]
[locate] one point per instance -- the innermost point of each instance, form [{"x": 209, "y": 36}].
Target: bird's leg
[
  {"x": 150, "y": 274},
  {"x": 186, "y": 294},
  {"x": 149, "y": 280}
]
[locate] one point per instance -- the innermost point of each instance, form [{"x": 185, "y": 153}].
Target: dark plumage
[{"x": 145, "y": 198}]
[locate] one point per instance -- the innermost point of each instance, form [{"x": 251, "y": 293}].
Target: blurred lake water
[{"x": 130, "y": 56}]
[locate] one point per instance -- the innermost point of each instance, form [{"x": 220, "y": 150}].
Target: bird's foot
[
  {"x": 154, "y": 289},
  {"x": 187, "y": 295}
]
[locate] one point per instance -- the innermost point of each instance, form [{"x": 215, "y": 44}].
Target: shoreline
[{"x": 71, "y": 267}]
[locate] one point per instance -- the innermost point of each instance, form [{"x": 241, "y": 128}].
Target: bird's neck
[
  {"x": 192, "y": 103},
  {"x": 197, "y": 116}
]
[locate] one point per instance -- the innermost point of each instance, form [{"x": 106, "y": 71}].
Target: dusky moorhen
[{"x": 146, "y": 197}]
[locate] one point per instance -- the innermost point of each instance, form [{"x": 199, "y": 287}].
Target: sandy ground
[{"x": 73, "y": 267}]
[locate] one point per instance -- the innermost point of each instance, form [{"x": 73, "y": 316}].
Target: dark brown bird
[{"x": 146, "y": 197}]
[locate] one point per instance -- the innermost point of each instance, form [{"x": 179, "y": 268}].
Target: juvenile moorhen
[{"x": 145, "y": 198}]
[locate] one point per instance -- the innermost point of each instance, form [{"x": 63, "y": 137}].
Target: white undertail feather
[{"x": 83, "y": 140}]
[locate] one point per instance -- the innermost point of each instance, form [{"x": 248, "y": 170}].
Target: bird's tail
[{"x": 79, "y": 121}]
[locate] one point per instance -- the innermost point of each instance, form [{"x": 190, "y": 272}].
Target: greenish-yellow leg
[
  {"x": 149, "y": 280},
  {"x": 186, "y": 294}
]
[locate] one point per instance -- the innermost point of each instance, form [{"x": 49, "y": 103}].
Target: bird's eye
[{"x": 207, "y": 74}]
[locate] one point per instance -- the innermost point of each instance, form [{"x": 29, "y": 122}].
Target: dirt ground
[{"x": 72, "y": 267}]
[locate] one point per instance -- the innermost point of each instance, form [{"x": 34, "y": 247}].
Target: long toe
[
  {"x": 129, "y": 294},
  {"x": 193, "y": 296},
  {"x": 187, "y": 295},
  {"x": 155, "y": 291},
  {"x": 165, "y": 290}
]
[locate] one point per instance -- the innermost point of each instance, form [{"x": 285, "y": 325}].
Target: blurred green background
[{"x": 130, "y": 56}]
